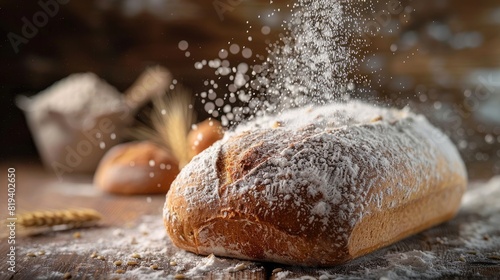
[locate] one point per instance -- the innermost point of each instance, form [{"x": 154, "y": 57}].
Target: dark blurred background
[{"x": 440, "y": 57}]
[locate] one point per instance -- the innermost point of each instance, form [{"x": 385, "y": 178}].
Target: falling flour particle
[
  {"x": 313, "y": 63},
  {"x": 183, "y": 45}
]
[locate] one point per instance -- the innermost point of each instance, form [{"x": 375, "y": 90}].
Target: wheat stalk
[
  {"x": 171, "y": 119},
  {"x": 39, "y": 221}
]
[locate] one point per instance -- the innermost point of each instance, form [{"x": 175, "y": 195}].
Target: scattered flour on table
[
  {"x": 149, "y": 240},
  {"x": 482, "y": 200},
  {"x": 412, "y": 264}
]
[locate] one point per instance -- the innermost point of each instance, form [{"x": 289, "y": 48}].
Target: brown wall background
[{"x": 440, "y": 44}]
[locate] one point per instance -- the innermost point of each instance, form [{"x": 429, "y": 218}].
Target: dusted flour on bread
[{"x": 307, "y": 178}]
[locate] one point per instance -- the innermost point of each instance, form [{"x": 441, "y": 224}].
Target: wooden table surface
[{"x": 467, "y": 247}]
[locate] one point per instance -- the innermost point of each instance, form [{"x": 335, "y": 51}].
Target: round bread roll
[
  {"x": 203, "y": 135},
  {"x": 316, "y": 186},
  {"x": 136, "y": 168}
]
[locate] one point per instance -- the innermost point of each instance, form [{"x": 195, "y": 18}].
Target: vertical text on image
[{"x": 11, "y": 219}]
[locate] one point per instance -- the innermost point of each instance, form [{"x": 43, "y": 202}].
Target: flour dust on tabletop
[
  {"x": 142, "y": 252},
  {"x": 483, "y": 233}
]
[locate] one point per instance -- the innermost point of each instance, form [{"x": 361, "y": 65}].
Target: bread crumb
[
  {"x": 135, "y": 256},
  {"x": 238, "y": 267},
  {"x": 276, "y": 270},
  {"x": 131, "y": 263},
  {"x": 277, "y": 124}
]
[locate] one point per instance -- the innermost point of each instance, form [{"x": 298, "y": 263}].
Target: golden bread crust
[{"x": 324, "y": 186}]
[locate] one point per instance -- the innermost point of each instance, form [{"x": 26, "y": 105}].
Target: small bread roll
[
  {"x": 136, "y": 168},
  {"x": 203, "y": 135},
  {"x": 316, "y": 186}
]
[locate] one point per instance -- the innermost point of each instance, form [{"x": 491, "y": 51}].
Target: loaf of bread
[
  {"x": 316, "y": 186},
  {"x": 136, "y": 168}
]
